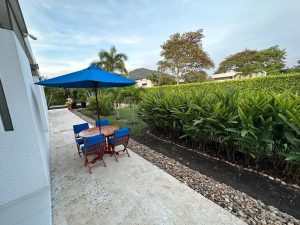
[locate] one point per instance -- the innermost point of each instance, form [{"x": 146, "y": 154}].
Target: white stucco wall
[
  {"x": 24, "y": 152},
  {"x": 144, "y": 83}
]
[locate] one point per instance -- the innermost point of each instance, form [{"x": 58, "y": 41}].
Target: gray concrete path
[{"x": 131, "y": 191}]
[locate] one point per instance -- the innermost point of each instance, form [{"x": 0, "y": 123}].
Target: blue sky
[{"x": 71, "y": 32}]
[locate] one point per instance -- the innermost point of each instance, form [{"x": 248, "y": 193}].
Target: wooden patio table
[{"x": 106, "y": 130}]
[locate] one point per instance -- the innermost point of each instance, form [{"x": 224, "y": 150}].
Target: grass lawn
[{"x": 128, "y": 116}]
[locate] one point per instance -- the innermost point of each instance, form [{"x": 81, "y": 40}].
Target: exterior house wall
[
  {"x": 224, "y": 76},
  {"x": 25, "y": 196},
  {"x": 236, "y": 75},
  {"x": 144, "y": 83}
]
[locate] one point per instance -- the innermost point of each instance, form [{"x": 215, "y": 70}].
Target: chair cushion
[
  {"x": 101, "y": 123},
  {"x": 122, "y": 132},
  {"x": 79, "y": 141},
  {"x": 83, "y": 149},
  {"x": 80, "y": 127},
  {"x": 111, "y": 141}
]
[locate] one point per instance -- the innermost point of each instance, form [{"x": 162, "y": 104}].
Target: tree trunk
[{"x": 177, "y": 76}]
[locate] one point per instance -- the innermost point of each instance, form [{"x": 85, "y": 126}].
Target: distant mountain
[{"x": 141, "y": 73}]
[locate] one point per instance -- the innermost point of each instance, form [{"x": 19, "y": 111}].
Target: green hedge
[
  {"x": 106, "y": 104},
  {"x": 276, "y": 83},
  {"x": 263, "y": 126},
  {"x": 56, "y": 96}
]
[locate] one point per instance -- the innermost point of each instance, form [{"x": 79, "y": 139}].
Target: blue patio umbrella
[{"x": 91, "y": 77}]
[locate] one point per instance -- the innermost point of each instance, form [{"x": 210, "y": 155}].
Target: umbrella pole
[{"x": 97, "y": 105}]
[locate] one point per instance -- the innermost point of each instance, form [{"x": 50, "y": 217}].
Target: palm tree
[{"x": 112, "y": 61}]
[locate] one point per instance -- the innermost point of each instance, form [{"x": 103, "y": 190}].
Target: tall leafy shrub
[
  {"x": 106, "y": 104},
  {"x": 276, "y": 83},
  {"x": 259, "y": 125}
]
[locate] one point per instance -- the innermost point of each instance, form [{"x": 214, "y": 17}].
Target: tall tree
[
  {"x": 183, "y": 53},
  {"x": 154, "y": 78},
  {"x": 294, "y": 69},
  {"x": 193, "y": 77},
  {"x": 112, "y": 61},
  {"x": 270, "y": 60},
  {"x": 165, "y": 79}
]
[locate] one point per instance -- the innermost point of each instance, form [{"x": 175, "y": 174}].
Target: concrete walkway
[{"x": 131, "y": 191}]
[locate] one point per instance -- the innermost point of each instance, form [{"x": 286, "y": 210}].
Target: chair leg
[
  {"x": 127, "y": 152},
  {"x": 78, "y": 148},
  {"x": 114, "y": 152},
  {"x": 86, "y": 161},
  {"x": 125, "y": 149}
]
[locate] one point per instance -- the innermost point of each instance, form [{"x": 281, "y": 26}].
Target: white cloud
[{"x": 70, "y": 33}]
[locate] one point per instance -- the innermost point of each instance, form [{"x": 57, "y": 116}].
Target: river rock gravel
[{"x": 250, "y": 210}]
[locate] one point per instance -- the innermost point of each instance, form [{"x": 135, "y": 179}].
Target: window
[{"x": 4, "y": 112}]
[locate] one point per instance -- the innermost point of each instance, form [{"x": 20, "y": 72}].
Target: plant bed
[
  {"x": 259, "y": 129},
  {"x": 266, "y": 168},
  {"x": 119, "y": 117},
  {"x": 258, "y": 187},
  {"x": 223, "y": 192},
  {"x": 133, "y": 122}
]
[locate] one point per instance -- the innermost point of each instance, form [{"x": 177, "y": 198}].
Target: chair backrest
[
  {"x": 122, "y": 136},
  {"x": 101, "y": 123},
  {"x": 95, "y": 144},
  {"x": 80, "y": 127}
]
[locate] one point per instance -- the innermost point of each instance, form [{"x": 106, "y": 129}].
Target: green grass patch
[{"x": 125, "y": 117}]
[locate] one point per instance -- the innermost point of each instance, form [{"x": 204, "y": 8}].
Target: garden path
[{"x": 131, "y": 191}]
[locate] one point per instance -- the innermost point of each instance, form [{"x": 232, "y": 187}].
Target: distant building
[
  {"x": 144, "y": 83},
  {"x": 236, "y": 75},
  {"x": 25, "y": 195},
  {"x": 181, "y": 80}
]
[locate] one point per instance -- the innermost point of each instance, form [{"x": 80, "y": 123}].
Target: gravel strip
[
  {"x": 82, "y": 116},
  {"x": 238, "y": 203},
  {"x": 291, "y": 185}
]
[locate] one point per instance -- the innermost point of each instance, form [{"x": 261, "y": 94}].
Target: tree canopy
[
  {"x": 270, "y": 60},
  {"x": 112, "y": 61},
  {"x": 183, "y": 53},
  {"x": 294, "y": 69},
  {"x": 193, "y": 77},
  {"x": 161, "y": 79}
]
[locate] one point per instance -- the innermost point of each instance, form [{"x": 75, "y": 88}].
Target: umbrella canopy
[{"x": 91, "y": 77}]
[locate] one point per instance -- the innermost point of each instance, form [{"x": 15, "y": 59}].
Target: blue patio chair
[
  {"x": 77, "y": 129},
  {"x": 94, "y": 145},
  {"x": 120, "y": 138},
  {"x": 101, "y": 123}
]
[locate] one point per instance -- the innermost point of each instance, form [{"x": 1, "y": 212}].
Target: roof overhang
[
  {"x": 15, "y": 6},
  {"x": 17, "y": 13}
]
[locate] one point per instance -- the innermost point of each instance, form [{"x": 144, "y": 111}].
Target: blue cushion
[
  {"x": 122, "y": 132},
  {"x": 79, "y": 141},
  {"x": 111, "y": 141},
  {"x": 101, "y": 123},
  {"x": 94, "y": 140},
  {"x": 119, "y": 133},
  {"x": 83, "y": 149},
  {"x": 80, "y": 127}
]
